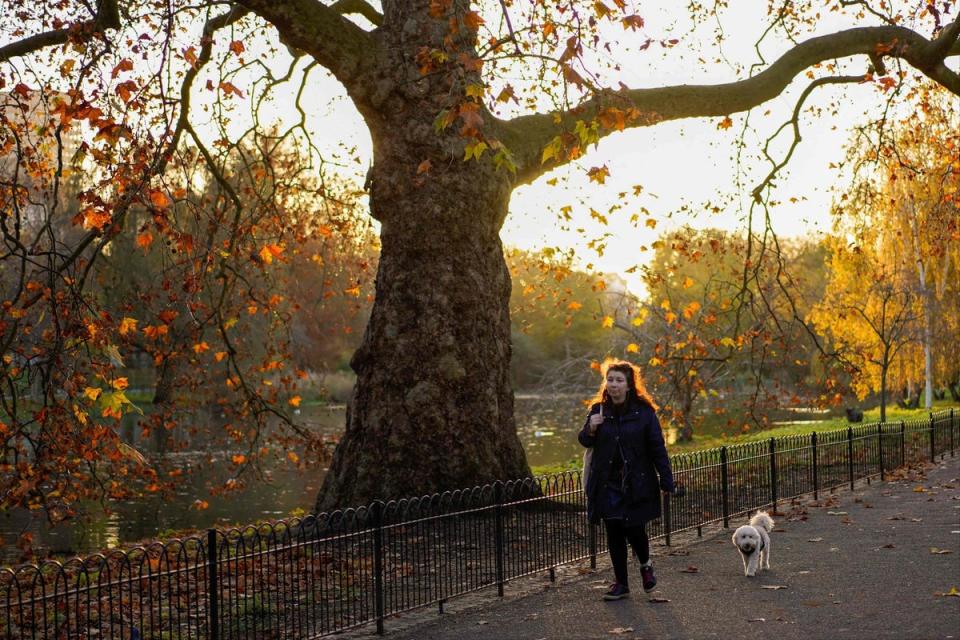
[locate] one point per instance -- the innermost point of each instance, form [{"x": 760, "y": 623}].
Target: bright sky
[{"x": 680, "y": 165}]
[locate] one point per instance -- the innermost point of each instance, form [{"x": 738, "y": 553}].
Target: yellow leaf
[
  {"x": 574, "y": 306},
  {"x": 687, "y": 282},
  {"x": 633, "y": 348},
  {"x": 200, "y": 347},
  {"x": 219, "y": 355},
  {"x": 728, "y": 342},
  {"x": 655, "y": 362},
  {"x": 651, "y": 223},
  {"x": 92, "y": 392},
  {"x": 294, "y": 401},
  {"x": 127, "y": 325},
  {"x": 293, "y": 457},
  {"x": 665, "y": 304},
  {"x": 266, "y": 255},
  {"x": 953, "y": 592},
  {"x": 607, "y": 322},
  {"x": 691, "y": 309}
]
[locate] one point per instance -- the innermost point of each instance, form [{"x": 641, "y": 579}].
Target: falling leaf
[
  {"x": 726, "y": 123},
  {"x": 294, "y": 401}
]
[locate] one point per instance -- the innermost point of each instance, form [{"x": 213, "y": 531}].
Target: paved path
[{"x": 861, "y": 564}]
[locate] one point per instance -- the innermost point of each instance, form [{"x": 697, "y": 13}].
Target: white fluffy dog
[{"x": 753, "y": 541}]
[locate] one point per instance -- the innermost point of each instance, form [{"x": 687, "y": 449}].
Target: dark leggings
[{"x": 618, "y": 534}]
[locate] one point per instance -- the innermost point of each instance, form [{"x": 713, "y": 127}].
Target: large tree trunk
[
  {"x": 432, "y": 409},
  {"x": 433, "y": 405}
]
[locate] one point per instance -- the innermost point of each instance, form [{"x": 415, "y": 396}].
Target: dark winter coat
[{"x": 638, "y": 434}]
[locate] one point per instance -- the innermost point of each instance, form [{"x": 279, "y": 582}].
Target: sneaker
[
  {"x": 617, "y": 592},
  {"x": 649, "y": 580}
]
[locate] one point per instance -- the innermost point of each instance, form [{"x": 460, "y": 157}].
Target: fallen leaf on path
[
  {"x": 780, "y": 530},
  {"x": 888, "y": 546},
  {"x": 692, "y": 569},
  {"x": 620, "y": 630},
  {"x": 836, "y": 513},
  {"x": 916, "y": 519},
  {"x": 774, "y": 586},
  {"x": 815, "y": 540},
  {"x": 953, "y": 592},
  {"x": 919, "y": 490},
  {"x": 483, "y": 622},
  {"x": 757, "y": 620},
  {"x": 658, "y": 600},
  {"x": 897, "y": 517},
  {"x": 680, "y": 552},
  {"x": 939, "y": 552}
]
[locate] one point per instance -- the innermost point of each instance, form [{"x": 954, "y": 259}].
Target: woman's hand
[{"x": 595, "y": 421}]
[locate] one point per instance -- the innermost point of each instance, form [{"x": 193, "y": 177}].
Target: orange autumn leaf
[
  {"x": 293, "y": 457},
  {"x": 607, "y": 322},
  {"x": 237, "y": 47},
  {"x": 144, "y": 240},
  {"x": 159, "y": 199},
  {"x": 726, "y": 123},
  {"x": 200, "y": 347},
  {"x": 119, "y": 383},
  {"x": 238, "y": 458},
  {"x": 294, "y": 401},
  {"x": 633, "y": 348},
  {"x": 92, "y": 393},
  {"x": 127, "y": 325},
  {"x": 219, "y": 355}
]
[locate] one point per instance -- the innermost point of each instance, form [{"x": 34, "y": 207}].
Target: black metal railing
[{"x": 314, "y": 576}]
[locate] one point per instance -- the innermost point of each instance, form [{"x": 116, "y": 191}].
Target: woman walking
[{"x": 629, "y": 468}]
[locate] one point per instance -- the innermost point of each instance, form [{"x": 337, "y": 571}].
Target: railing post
[
  {"x": 850, "y": 455},
  {"x": 498, "y": 533},
  {"x": 724, "y": 491},
  {"x": 666, "y": 517},
  {"x": 213, "y": 606},
  {"x": 880, "y": 447},
  {"x": 903, "y": 443},
  {"x": 378, "y": 595},
  {"x": 933, "y": 440},
  {"x": 773, "y": 472},
  {"x": 816, "y": 479},
  {"x": 951, "y": 432},
  {"x": 593, "y": 546}
]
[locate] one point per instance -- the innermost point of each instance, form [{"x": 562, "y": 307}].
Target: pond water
[{"x": 547, "y": 428}]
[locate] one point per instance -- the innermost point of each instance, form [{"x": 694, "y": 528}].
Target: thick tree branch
[
  {"x": 108, "y": 17},
  {"x": 527, "y": 136},
  {"x": 359, "y": 7},
  {"x": 346, "y": 50}
]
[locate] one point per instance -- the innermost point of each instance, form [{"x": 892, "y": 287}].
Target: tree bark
[
  {"x": 433, "y": 405},
  {"x": 432, "y": 409}
]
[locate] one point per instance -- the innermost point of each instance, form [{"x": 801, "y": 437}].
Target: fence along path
[{"x": 314, "y": 576}]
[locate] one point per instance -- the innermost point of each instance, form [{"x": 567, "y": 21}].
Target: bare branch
[
  {"x": 527, "y": 136},
  {"x": 345, "y": 7},
  {"x": 346, "y": 50}
]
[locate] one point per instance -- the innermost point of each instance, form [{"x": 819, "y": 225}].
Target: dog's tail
[{"x": 762, "y": 519}]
